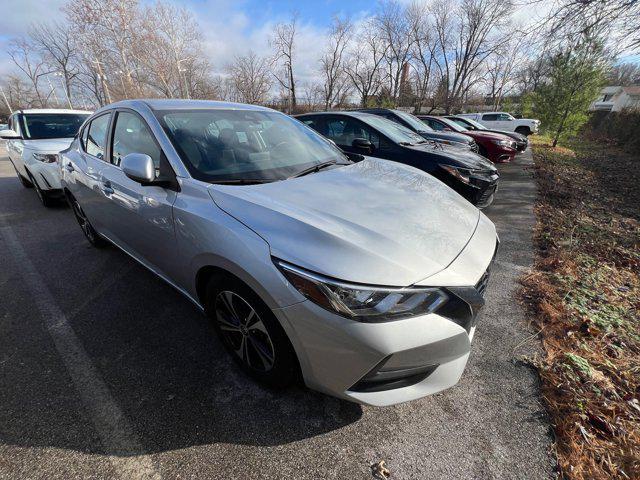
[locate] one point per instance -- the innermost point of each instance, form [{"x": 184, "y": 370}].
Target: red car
[{"x": 496, "y": 147}]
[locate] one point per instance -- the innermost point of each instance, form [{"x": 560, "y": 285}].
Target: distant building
[{"x": 616, "y": 98}]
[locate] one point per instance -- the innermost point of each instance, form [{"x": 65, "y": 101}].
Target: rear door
[
  {"x": 141, "y": 217},
  {"x": 490, "y": 120}
]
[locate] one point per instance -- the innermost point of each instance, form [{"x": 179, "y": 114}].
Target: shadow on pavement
[{"x": 157, "y": 354}]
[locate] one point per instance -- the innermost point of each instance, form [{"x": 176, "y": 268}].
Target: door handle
[
  {"x": 106, "y": 188},
  {"x": 69, "y": 168}
]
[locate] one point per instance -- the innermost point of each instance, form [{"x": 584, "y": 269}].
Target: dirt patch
[{"x": 584, "y": 293}]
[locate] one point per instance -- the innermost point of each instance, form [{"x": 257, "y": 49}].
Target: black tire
[
  {"x": 523, "y": 131},
  {"x": 42, "y": 195},
  {"x": 89, "y": 232},
  {"x": 260, "y": 346}
]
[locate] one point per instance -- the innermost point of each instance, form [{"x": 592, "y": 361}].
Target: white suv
[
  {"x": 505, "y": 121},
  {"x": 34, "y": 138}
]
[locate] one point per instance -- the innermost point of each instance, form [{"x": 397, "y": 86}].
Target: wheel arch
[{"x": 206, "y": 272}]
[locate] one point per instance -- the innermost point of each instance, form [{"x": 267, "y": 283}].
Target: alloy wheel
[
  {"x": 86, "y": 227},
  {"x": 244, "y": 332}
]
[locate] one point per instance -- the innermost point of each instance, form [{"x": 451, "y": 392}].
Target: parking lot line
[{"x": 115, "y": 432}]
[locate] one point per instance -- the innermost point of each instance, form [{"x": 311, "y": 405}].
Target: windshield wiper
[
  {"x": 314, "y": 169},
  {"x": 405, "y": 144},
  {"x": 240, "y": 181}
]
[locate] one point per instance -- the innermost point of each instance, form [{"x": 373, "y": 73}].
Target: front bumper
[
  {"x": 502, "y": 154},
  {"x": 336, "y": 353},
  {"x": 46, "y": 174},
  {"x": 397, "y": 361},
  {"x": 480, "y": 192}
]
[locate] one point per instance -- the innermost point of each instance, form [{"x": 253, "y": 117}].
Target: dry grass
[{"x": 584, "y": 292}]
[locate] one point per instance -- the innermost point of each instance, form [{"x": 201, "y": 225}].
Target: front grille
[{"x": 474, "y": 147}]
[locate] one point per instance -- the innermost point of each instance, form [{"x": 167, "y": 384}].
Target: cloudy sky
[
  {"x": 234, "y": 26},
  {"x": 230, "y": 26}
]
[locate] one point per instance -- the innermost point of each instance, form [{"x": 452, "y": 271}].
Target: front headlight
[
  {"x": 46, "y": 157},
  {"x": 502, "y": 143},
  {"x": 361, "y": 302},
  {"x": 461, "y": 174}
]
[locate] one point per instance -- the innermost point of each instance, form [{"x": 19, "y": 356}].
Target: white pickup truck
[{"x": 504, "y": 121}]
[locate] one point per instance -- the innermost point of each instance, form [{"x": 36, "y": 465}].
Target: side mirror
[
  {"x": 9, "y": 134},
  {"x": 362, "y": 144},
  {"x": 139, "y": 168},
  {"x": 447, "y": 129}
]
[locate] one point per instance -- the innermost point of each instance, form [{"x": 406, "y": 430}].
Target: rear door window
[{"x": 490, "y": 117}]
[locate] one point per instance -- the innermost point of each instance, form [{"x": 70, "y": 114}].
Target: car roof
[
  {"x": 54, "y": 110},
  {"x": 178, "y": 104},
  {"x": 349, "y": 113},
  {"x": 375, "y": 109}
]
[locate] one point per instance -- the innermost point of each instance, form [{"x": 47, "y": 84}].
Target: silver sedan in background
[{"x": 363, "y": 279}]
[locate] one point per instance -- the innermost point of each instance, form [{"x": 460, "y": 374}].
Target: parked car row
[
  {"x": 469, "y": 174},
  {"x": 361, "y": 276}
]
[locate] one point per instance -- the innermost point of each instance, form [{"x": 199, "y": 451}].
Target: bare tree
[
  {"x": 312, "y": 97},
  {"x": 396, "y": 27},
  {"x": 171, "y": 54},
  {"x": 618, "y": 20},
  {"x": 467, "y": 33},
  {"x": 20, "y": 94},
  {"x": 250, "y": 78},
  {"x": 25, "y": 57},
  {"x": 336, "y": 82},
  {"x": 283, "y": 42},
  {"x": 364, "y": 62},
  {"x": 423, "y": 54},
  {"x": 500, "y": 69},
  {"x": 624, "y": 74},
  {"x": 109, "y": 30},
  {"x": 55, "y": 42}
]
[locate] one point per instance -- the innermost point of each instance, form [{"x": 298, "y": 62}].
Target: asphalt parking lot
[{"x": 107, "y": 372}]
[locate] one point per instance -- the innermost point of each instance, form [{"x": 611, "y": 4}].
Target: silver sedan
[{"x": 362, "y": 279}]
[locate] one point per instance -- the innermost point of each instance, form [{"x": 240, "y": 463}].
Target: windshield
[
  {"x": 41, "y": 126},
  {"x": 452, "y": 125},
  {"x": 227, "y": 145},
  {"x": 415, "y": 122},
  {"x": 396, "y": 133},
  {"x": 478, "y": 126}
]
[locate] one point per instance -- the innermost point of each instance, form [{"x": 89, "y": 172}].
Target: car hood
[
  {"x": 456, "y": 156},
  {"x": 515, "y": 135},
  {"x": 451, "y": 136},
  {"x": 374, "y": 222},
  {"x": 488, "y": 135},
  {"x": 52, "y": 145}
]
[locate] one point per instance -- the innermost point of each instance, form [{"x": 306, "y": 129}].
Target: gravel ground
[{"x": 107, "y": 372}]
